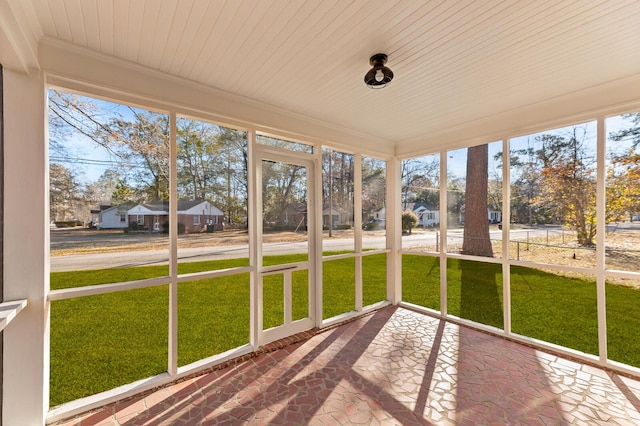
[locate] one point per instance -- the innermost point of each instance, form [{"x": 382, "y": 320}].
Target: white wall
[
  {"x": 26, "y": 258},
  {"x": 110, "y": 219}
]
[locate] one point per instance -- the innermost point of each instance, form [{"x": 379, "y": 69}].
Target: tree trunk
[{"x": 476, "y": 221}]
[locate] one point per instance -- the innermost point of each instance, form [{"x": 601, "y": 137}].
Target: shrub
[
  {"x": 165, "y": 228},
  {"x": 409, "y": 219},
  {"x": 67, "y": 223}
]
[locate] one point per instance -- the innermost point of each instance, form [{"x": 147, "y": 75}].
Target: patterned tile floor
[{"x": 392, "y": 367}]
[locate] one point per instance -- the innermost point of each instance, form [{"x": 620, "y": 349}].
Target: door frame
[{"x": 308, "y": 161}]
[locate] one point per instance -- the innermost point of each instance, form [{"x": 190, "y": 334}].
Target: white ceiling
[{"x": 455, "y": 61}]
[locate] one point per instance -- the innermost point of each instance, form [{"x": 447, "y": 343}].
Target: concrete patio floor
[{"x": 392, "y": 367}]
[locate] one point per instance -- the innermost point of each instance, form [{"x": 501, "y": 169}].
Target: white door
[{"x": 286, "y": 267}]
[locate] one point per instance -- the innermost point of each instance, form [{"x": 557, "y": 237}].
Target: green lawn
[
  {"x": 100, "y": 342},
  {"x": 545, "y": 306}
]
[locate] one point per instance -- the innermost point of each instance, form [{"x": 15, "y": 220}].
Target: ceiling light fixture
[{"x": 379, "y": 76}]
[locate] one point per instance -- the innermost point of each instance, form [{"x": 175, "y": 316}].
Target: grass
[
  {"x": 104, "y": 341},
  {"x": 545, "y": 306}
]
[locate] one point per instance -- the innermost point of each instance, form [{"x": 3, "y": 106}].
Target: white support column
[
  {"x": 254, "y": 199},
  {"x": 443, "y": 233},
  {"x": 26, "y": 265},
  {"x": 315, "y": 244},
  {"x": 394, "y": 231},
  {"x": 506, "y": 221},
  {"x": 600, "y": 238},
  {"x": 357, "y": 224},
  {"x": 173, "y": 247}
]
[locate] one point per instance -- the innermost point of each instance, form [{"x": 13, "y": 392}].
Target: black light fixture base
[
  {"x": 379, "y": 76},
  {"x": 378, "y": 60}
]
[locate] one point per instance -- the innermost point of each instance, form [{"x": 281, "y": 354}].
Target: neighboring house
[
  {"x": 378, "y": 220},
  {"x": 495, "y": 216},
  {"x": 95, "y": 216},
  {"x": 294, "y": 214},
  {"x": 196, "y": 216},
  {"x": 428, "y": 216},
  {"x": 113, "y": 217},
  {"x": 338, "y": 216}
]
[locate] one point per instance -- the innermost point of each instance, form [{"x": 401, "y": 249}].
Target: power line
[{"x": 93, "y": 162}]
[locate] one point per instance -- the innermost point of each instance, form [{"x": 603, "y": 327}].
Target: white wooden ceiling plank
[
  {"x": 481, "y": 101},
  {"x": 151, "y": 29},
  {"x": 479, "y": 98},
  {"x": 462, "y": 49},
  {"x": 454, "y": 61},
  {"x": 246, "y": 17},
  {"x": 74, "y": 16},
  {"x": 202, "y": 19},
  {"x": 59, "y": 15},
  {"x": 134, "y": 28},
  {"x": 268, "y": 41},
  {"x": 91, "y": 24},
  {"x": 427, "y": 12},
  {"x": 314, "y": 41},
  {"x": 105, "y": 26},
  {"x": 580, "y": 42},
  {"x": 392, "y": 57},
  {"x": 442, "y": 27},
  {"x": 120, "y": 28},
  {"x": 45, "y": 18},
  {"x": 305, "y": 25},
  {"x": 479, "y": 107},
  {"x": 257, "y": 21},
  {"x": 550, "y": 31},
  {"x": 165, "y": 24},
  {"x": 393, "y": 64},
  {"x": 179, "y": 26},
  {"x": 32, "y": 28},
  {"x": 205, "y": 55},
  {"x": 325, "y": 51},
  {"x": 397, "y": 65},
  {"x": 523, "y": 63},
  {"x": 595, "y": 56},
  {"x": 396, "y": 28},
  {"x": 340, "y": 75}
]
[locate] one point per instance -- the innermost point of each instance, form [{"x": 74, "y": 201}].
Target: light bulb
[{"x": 379, "y": 75}]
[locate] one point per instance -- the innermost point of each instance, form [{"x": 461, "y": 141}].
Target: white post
[
  {"x": 443, "y": 233},
  {"x": 314, "y": 201},
  {"x": 357, "y": 224},
  {"x": 394, "y": 231},
  {"x": 254, "y": 216},
  {"x": 600, "y": 239},
  {"x": 506, "y": 226},
  {"x": 173, "y": 248},
  {"x": 26, "y": 265}
]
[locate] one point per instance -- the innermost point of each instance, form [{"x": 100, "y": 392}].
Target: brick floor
[{"x": 395, "y": 366}]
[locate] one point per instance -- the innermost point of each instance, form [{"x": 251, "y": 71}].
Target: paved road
[{"x": 158, "y": 257}]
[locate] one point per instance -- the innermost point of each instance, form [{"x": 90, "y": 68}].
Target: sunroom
[{"x": 488, "y": 177}]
